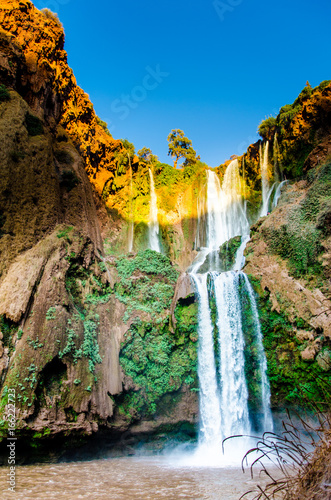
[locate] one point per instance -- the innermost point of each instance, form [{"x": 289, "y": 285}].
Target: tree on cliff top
[
  {"x": 125, "y": 157},
  {"x": 180, "y": 147},
  {"x": 146, "y": 157}
]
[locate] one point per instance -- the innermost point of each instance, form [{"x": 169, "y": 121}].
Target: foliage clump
[
  {"x": 51, "y": 314},
  {"x": 4, "y": 93},
  {"x": 149, "y": 262},
  {"x": 293, "y": 381},
  {"x": 267, "y": 127},
  {"x": 158, "y": 360},
  {"x": 52, "y": 16},
  {"x": 104, "y": 125},
  {"x": 159, "y": 363},
  {"x": 34, "y": 125},
  {"x": 69, "y": 179},
  {"x": 300, "y": 239},
  {"x": 228, "y": 251},
  {"x": 147, "y": 282},
  {"x": 64, "y": 157}
]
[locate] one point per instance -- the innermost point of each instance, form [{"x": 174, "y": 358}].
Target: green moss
[
  {"x": 147, "y": 282},
  {"x": 51, "y": 314},
  {"x": 35, "y": 343},
  {"x": 300, "y": 238},
  {"x": 158, "y": 362},
  {"x": 149, "y": 262},
  {"x": 65, "y": 232},
  {"x": 84, "y": 287},
  {"x": 70, "y": 347},
  {"x": 228, "y": 251},
  {"x": 90, "y": 347}
]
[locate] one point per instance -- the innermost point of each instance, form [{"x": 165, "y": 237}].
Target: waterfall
[
  {"x": 210, "y": 411},
  {"x": 266, "y": 191},
  {"x": 278, "y": 193},
  {"x": 267, "y": 423},
  {"x": 131, "y": 223},
  {"x": 153, "y": 225},
  {"x": 225, "y": 215},
  {"x": 224, "y": 395},
  {"x": 234, "y": 393}
]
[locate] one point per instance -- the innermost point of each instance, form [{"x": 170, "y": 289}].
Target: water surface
[{"x": 132, "y": 478}]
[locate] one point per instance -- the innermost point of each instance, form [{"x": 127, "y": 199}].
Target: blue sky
[{"x": 214, "y": 69}]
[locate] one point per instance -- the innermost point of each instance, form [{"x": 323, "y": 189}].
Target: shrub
[
  {"x": 324, "y": 84},
  {"x": 69, "y": 180},
  {"x": 287, "y": 113},
  {"x": 51, "y": 15},
  {"x": 165, "y": 175},
  {"x": 266, "y": 127},
  {"x": 304, "y": 95},
  {"x": 104, "y": 125},
  {"x": 4, "y": 94},
  {"x": 34, "y": 125},
  {"x": 63, "y": 157}
]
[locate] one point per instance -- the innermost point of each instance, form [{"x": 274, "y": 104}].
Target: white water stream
[
  {"x": 153, "y": 225},
  {"x": 224, "y": 409},
  {"x": 131, "y": 223},
  {"x": 266, "y": 190}
]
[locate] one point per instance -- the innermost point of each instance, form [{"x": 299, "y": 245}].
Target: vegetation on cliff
[
  {"x": 292, "y": 281},
  {"x": 299, "y": 128},
  {"x": 155, "y": 360}
]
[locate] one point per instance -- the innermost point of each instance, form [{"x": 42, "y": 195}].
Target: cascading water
[
  {"x": 131, "y": 224},
  {"x": 234, "y": 393},
  {"x": 223, "y": 395},
  {"x": 278, "y": 193},
  {"x": 210, "y": 411},
  {"x": 153, "y": 225},
  {"x": 267, "y": 423},
  {"x": 266, "y": 190}
]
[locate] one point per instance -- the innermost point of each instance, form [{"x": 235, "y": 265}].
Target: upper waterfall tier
[
  {"x": 223, "y": 212},
  {"x": 153, "y": 225}
]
